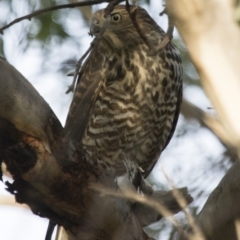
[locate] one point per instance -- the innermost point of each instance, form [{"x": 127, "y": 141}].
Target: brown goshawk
[{"x": 126, "y": 99}]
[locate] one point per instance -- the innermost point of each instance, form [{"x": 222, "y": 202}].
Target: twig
[
  {"x": 163, "y": 12},
  {"x": 170, "y": 23},
  {"x": 168, "y": 36},
  {"x": 132, "y": 15},
  {"x": 144, "y": 200},
  {"x": 162, "y": 43},
  {"x": 111, "y": 6},
  {"x": 197, "y": 233},
  {"x": 78, "y": 66},
  {"x": 70, "y": 5},
  {"x": 60, "y": 233}
]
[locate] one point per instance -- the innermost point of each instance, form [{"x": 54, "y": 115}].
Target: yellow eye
[{"x": 116, "y": 17}]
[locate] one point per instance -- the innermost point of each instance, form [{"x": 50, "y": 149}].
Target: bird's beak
[{"x": 95, "y": 27}]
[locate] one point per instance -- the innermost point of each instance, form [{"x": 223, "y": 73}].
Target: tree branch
[
  {"x": 219, "y": 218},
  {"x": 63, "y": 6},
  {"x": 34, "y": 149},
  {"x": 191, "y": 111},
  {"x": 214, "y": 48}
]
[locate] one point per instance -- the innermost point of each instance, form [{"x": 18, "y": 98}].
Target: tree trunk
[{"x": 213, "y": 38}]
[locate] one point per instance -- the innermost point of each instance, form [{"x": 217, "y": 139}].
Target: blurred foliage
[
  {"x": 48, "y": 24},
  {"x": 49, "y": 27},
  {"x": 42, "y": 28}
]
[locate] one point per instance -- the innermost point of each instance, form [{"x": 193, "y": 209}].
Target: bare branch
[
  {"x": 86, "y": 11},
  {"x": 63, "y": 6},
  {"x": 221, "y": 211},
  {"x": 197, "y": 233},
  {"x": 111, "y": 6},
  {"x": 160, "y": 42},
  {"x": 190, "y": 110},
  {"x": 145, "y": 200}
]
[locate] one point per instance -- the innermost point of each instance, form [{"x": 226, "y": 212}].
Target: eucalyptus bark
[{"x": 212, "y": 36}]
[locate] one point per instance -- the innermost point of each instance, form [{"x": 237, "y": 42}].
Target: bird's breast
[{"x": 134, "y": 110}]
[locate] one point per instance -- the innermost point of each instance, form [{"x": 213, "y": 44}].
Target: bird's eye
[{"x": 116, "y": 17}]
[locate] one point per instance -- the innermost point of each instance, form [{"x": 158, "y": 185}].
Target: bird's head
[{"x": 117, "y": 29}]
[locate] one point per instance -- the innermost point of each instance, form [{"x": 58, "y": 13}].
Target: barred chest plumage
[{"x": 135, "y": 109}]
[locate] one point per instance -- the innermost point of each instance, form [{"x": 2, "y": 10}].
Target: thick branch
[
  {"x": 22, "y": 106},
  {"x": 213, "y": 41},
  {"x": 219, "y": 218}
]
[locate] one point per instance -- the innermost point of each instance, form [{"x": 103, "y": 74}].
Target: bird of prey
[{"x": 127, "y": 97}]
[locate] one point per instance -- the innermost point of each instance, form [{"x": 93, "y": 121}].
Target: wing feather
[
  {"x": 88, "y": 87},
  {"x": 171, "y": 132},
  {"x": 176, "y": 115}
]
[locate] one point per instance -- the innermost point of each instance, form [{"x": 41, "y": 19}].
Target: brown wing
[
  {"x": 176, "y": 115},
  {"x": 175, "y": 120},
  {"x": 87, "y": 90}
]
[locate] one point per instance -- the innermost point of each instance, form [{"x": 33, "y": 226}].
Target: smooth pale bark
[{"x": 213, "y": 38}]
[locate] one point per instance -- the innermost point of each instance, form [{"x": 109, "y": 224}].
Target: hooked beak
[{"x": 95, "y": 27}]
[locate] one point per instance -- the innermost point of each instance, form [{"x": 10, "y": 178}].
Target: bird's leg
[
  {"x": 162, "y": 42},
  {"x": 133, "y": 179},
  {"x": 111, "y": 6}
]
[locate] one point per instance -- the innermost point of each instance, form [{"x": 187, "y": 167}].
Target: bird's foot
[{"x": 133, "y": 180}]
